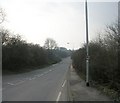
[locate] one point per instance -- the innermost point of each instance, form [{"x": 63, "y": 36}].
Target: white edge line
[{"x": 58, "y": 96}]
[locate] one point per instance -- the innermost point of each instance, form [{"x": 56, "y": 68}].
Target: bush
[
  {"x": 104, "y": 58},
  {"x": 17, "y": 54}
]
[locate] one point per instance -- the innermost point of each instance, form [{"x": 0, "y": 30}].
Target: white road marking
[
  {"x": 27, "y": 78},
  {"x": 41, "y": 74},
  {"x": 10, "y": 83},
  {"x": 13, "y": 84},
  {"x": 19, "y": 83},
  {"x": 58, "y": 98},
  {"x": 54, "y": 64},
  {"x": 63, "y": 83},
  {"x": 32, "y": 78},
  {"x": 45, "y": 72},
  {"x": 50, "y": 70},
  {"x": 38, "y": 76}
]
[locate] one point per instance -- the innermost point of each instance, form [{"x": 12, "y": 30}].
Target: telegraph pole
[{"x": 87, "y": 46}]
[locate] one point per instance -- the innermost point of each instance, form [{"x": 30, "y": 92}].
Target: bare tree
[
  {"x": 4, "y": 35},
  {"x": 50, "y": 44},
  {"x": 112, "y": 36},
  {"x": 2, "y": 15}
]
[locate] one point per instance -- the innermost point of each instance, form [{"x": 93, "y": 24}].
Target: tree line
[
  {"x": 104, "y": 55},
  {"x": 17, "y": 54}
]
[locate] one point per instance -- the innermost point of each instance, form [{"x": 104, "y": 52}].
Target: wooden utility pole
[{"x": 87, "y": 46}]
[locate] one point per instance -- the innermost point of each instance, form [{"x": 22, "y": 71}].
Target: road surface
[{"x": 47, "y": 84}]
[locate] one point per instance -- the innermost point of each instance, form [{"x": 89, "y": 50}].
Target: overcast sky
[{"x": 63, "y": 21}]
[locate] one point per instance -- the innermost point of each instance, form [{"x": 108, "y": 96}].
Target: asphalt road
[{"x": 47, "y": 84}]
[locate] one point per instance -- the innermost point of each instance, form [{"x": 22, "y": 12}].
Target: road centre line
[
  {"x": 64, "y": 83},
  {"x": 33, "y": 78},
  {"x": 46, "y": 72},
  {"x": 16, "y": 83},
  {"x": 28, "y": 78},
  {"x": 58, "y": 96},
  {"x": 37, "y": 75},
  {"x": 41, "y": 74},
  {"x": 19, "y": 82},
  {"x": 10, "y": 83}
]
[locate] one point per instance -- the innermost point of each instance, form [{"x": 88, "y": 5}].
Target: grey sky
[{"x": 62, "y": 21}]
